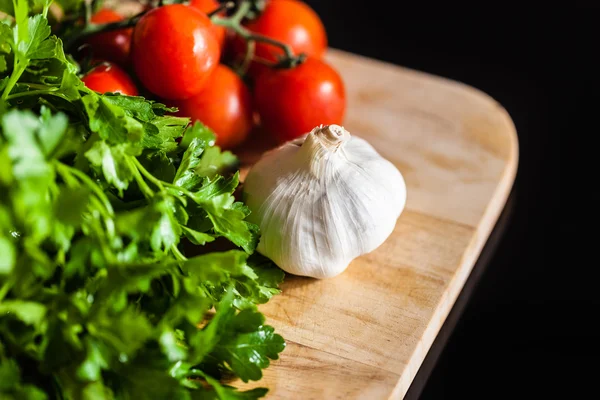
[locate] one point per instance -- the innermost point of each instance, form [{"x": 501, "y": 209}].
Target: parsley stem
[
  {"x": 5, "y": 289},
  {"x": 108, "y": 220},
  {"x": 14, "y": 77},
  {"x": 89, "y": 182},
  {"x": 147, "y": 174},
  {"x": 177, "y": 253},
  {"x": 160, "y": 184},
  {"x": 100, "y": 195},
  {"x": 45, "y": 9},
  {"x": 38, "y": 86},
  {"x": 31, "y": 93},
  {"x": 148, "y": 193},
  {"x": 180, "y": 189}
]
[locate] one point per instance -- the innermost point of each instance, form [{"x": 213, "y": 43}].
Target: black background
[{"x": 529, "y": 329}]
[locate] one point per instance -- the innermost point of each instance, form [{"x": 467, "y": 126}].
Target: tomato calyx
[
  {"x": 285, "y": 62},
  {"x": 231, "y": 15},
  {"x": 250, "y": 8},
  {"x": 255, "y": 10},
  {"x": 91, "y": 29},
  {"x": 223, "y": 7}
]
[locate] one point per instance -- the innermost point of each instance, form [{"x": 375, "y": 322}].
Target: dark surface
[
  {"x": 488, "y": 252},
  {"x": 528, "y": 328}
]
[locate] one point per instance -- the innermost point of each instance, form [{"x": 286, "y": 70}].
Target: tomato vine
[{"x": 241, "y": 11}]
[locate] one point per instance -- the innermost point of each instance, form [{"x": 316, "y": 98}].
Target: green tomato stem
[
  {"x": 91, "y": 29},
  {"x": 243, "y": 68},
  {"x": 221, "y": 8},
  {"x": 241, "y": 12},
  {"x": 232, "y": 24},
  {"x": 88, "y": 11}
]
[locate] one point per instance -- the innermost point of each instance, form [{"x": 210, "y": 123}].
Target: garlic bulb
[{"x": 322, "y": 200}]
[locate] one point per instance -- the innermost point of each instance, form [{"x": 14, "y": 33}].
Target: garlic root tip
[{"x": 331, "y": 136}]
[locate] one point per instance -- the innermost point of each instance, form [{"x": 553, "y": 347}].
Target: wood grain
[{"x": 364, "y": 334}]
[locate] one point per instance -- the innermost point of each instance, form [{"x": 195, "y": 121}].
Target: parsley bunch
[{"x": 99, "y": 195}]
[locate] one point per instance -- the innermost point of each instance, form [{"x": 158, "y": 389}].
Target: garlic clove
[{"x": 323, "y": 200}]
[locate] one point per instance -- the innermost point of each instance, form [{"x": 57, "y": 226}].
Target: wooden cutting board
[{"x": 364, "y": 334}]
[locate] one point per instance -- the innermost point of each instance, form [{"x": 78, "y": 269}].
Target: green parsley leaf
[
  {"x": 98, "y": 358},
  {"x": 11, "y": 387},
  {"x": 98, "y": 298},
  {"x": 37, "y": 45},
  {"x": 185, "y": 176},
  {"x": 259, "y": 284},
  {"x": 241, "y": 342},
  {"x": 201, "y": 132},
  {"x": 110, "y": 121},
  {"x": 125, "y": 331},
  {"x": 197, "y": 238},
  {"x": 199, "y": 140},
  {"x": 215, "y": 162},
  {"x": 146, "y": 383},
  {"x": 113, "y": 162},
  {"x": 225, "y": 392},
  {"x": 8, "y": 255},
  {"x": 249, "y": 353},
  {"x": 29, "y": 312},
  {"x": 51, "y": 130},
  {"x": 9, "y": 375},
  {"x": 227, "y": 215}
]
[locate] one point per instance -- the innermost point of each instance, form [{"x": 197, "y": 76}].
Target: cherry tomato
[
  {"x": 108, "y": 77},
  {"x": 174, "y": 51},
  {"x": 207, "y": 6},
  {"x": 291, "y": 102},
  {"x": 224, "y": 105},
  {"x": 113, "y": 45},
  {"x": 289, "y": 21}
]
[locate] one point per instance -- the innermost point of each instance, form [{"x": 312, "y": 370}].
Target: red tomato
[
  {"x": 289, "y": 21},
  {"x": 293, "y": 101},
  {"x": 108, "y": 77},
  {"x": 224, "y": 105},
  {"x": 174, "y": 51},
  {"x": 113, "y": 45},
  {"x": 207, "y": 6}
]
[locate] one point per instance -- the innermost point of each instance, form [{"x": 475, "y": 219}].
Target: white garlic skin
[{"x": 323, "y": 200}]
